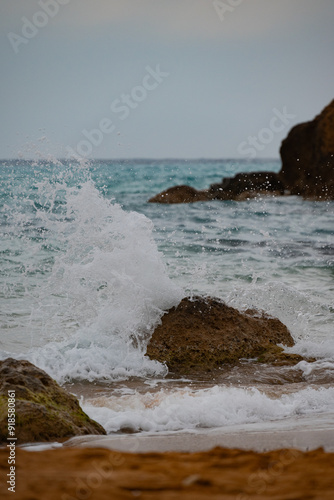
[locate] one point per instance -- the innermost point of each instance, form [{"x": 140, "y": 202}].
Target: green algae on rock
[
  {"x": 202, "y": 334},
  {"x": 44, "y": 411}
]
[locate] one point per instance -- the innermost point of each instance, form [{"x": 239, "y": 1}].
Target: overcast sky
[{"x": 161, "y": 78}]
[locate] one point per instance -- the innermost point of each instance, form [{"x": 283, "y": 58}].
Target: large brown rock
[
  {"x": 308, "y": 157},
  {"x": 307, "y": 169},
  {"x": 202, "y": 334},
  {"x": 43, "y": 410}
]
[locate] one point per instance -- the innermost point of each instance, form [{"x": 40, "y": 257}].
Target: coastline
[
  {"x": 292, "y": 458},
  {"x": 303, "y": 433}
]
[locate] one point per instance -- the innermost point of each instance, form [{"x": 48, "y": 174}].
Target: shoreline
[{"x": 303, "y": 433}]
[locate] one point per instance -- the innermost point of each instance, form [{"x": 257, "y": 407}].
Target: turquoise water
[{"x": 88, "y": 267}]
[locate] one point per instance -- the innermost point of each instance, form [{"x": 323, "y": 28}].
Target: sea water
[{"x": 88, "y": 268}]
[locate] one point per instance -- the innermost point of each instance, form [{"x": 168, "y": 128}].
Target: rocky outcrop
[
  {"x": 248, "y": 185},
  {"x": 308, "y": 157},
  {"x": 202, "y": 334},
  {"x": 180, "y": 194},
  {"x": 307, "y": 170},
  {"x": 43, "y": 410},
  {"x": 239, "y": 187}
]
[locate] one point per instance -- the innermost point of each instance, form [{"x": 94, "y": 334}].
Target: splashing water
[
  {"x": 103, "y": 286},
  {"x": 83, "y": 285}
]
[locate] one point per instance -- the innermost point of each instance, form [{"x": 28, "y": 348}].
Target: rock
[
  {"x": 202, "y": 334},
  {"x": 240, "y": 187},
  {"x": 307, "y": 169},
  {"x": 44, "y": 411},
  {"x": 308, "y": 157},
  {"x": 180, "y": 194},
  {"x": 247, "y": 185}
]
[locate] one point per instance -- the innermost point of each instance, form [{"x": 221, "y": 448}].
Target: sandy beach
[
  {"x": 292, "y": 459},
  {"x": 98, "y": 474}
]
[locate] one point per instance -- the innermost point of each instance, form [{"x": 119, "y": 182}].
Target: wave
[
  {"x": 106, "y": 287},
  {"x": 207, "y": 408}
]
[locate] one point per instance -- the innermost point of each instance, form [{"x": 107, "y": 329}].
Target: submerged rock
[
  {"x": 239, "y": 187},
  {"x": 180, "y": 194},
  {"x": 248, "y": 185},
  {"x": 43, "y": 410},
  {"x": 202, "y": 334}
]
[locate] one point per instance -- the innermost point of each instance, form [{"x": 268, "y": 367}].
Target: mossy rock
[
  {"x": 44, "y": 411},
  {"x": 203, "y": 334}
]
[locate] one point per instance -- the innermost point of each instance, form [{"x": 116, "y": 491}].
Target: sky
[{"x": 161, "y": 78}]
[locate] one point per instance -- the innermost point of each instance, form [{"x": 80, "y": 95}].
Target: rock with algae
[
  {"x": 44, "y": 411},
  {"x": 202, "y": 334}
]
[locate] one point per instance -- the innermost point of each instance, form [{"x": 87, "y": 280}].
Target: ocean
[{"x": 88, "y": 268}]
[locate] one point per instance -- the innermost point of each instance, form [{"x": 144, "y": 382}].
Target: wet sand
[
  {"x": 304, "y": 433},
  {"x": 101, "y": 474}
]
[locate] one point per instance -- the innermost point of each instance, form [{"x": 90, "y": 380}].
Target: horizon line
[{"x": 143, "y": 158}]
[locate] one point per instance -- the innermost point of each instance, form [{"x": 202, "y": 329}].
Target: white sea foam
[
  {"x": 106, "y": 290},
  {"x": 320, "y": 369},
  {"x": 207, "y": 408},
  {"x": 304, "y": 316},
  {"x": 321, "y": 350},
  {"x": 84, "y": 283}
]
